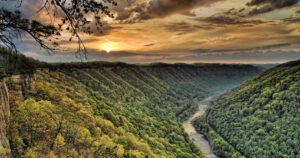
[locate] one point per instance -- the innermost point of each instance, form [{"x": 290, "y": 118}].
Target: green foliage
[
  {"x": 12, "y": 62},
  {"x": 2, "y": 72},
  {"x": 101, "y": 109},
  {"x": 4, "y": 151},
  {"x": 219, "y": 145},
  {"x": 78, "y": 112},
  {"x": 10, "y": 84},
  {"x": 261, "y": 117}
]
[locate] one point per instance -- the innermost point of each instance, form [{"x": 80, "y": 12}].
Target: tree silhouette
[{"x": 71, "y": 16}]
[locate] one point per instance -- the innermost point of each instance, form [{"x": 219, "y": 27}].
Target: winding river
[{"x": 197, "y": 138}]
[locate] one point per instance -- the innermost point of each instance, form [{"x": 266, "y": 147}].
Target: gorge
[{"x": 117, "y": 109}]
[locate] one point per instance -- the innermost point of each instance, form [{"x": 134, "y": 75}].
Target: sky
[{"x": 184, "y": 31}]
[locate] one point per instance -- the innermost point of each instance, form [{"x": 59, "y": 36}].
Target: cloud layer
[
  {"x": 144, "y": 9},
  {"x": 264, "y": 6},
  {"x": 187, "y": 31},
  {"x": 258, "y": 48},
  {"x": 224, "y": 19}
]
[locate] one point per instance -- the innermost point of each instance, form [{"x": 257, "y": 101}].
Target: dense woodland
[
  {"x": 220, "y": 146},
  {"x": 102, "y": 109},
  {"x": 98, "y": 113},
  {"x": 203, "y": 79},
  {"x": 261, "y": 117},
  {"x": 12, "y": 62}
]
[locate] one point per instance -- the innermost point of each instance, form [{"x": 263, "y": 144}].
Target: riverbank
[
  {"x": 219, "y": 145},
  {"x": 195, "y": 137}
]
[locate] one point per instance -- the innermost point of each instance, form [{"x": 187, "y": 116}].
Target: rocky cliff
[
  {"x": 23, "y": 84},
  {"x": 4, "y": 119}
]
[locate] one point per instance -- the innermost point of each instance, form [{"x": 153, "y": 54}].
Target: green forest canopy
[{"x": 261, "y": 117}]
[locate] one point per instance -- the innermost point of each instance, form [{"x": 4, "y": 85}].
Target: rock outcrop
[
  {"x": 4, "y": 119},
  {"x": 24, "y": 81},
  {"x": 24, "y": 84}
]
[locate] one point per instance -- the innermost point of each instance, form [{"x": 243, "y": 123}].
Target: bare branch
[{"x": 73, "y": 14}]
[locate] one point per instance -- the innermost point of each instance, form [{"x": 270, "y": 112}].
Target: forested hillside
[
  {"x": 261, "y": 117},
  {"x": 109, "y": 112},
  {"x": 102, "y": 109},
  {"x": 203, "y": 79}
]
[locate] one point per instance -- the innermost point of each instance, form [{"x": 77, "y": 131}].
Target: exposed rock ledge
[
  {"x": 4, "y": 119},
  {"x": 24, "y": 82}
]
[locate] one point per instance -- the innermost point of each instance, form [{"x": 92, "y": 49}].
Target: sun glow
[{"x": 109, "y": 46}]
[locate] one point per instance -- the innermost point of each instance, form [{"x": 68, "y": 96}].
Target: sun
[{"x": 108, "y": 47}]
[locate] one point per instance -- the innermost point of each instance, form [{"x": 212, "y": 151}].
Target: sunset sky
[{"x": 145, "y": 31}]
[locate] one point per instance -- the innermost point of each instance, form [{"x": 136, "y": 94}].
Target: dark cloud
[
  {"x": 230, "y": 17},
  {"x": 104, "y": 30},
  {"x": 292, "y": 19},
  {"x": 264, "y": 6},
  {"x": 275, "y": 3},
  {"x": 266, "y": 47},
  {"x": 256, "y": 7},
  {"x": 184, "y": 27},
  {"x": 261, "y": 10},
  {"x": 241, "y": 10},
  {"x": 145, "y": 9},
  {"x": 149, "y": 45},
  {"x": 228, "y": 20},
  {"x": 274, "y": 46},
  {"x": 135, "y": 12},
  {"x": 163, "y": 8}
]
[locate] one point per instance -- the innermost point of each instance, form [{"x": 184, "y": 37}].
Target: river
[{"x": 197, "y": 138}]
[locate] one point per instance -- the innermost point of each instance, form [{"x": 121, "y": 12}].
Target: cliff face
[
  {"x": 4, "y": 119},
  {"x": 23, "y": 83}
]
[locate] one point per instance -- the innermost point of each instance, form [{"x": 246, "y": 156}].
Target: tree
[
  {"x": 59, "y": 143},
  {"x": 72, "y": 16}
]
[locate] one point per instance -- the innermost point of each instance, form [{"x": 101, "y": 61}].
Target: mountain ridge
[{"x": 259, "y": 118}]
